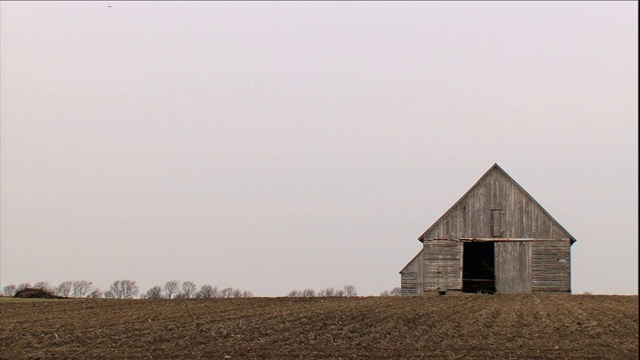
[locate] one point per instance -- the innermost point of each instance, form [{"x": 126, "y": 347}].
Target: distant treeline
[
  {"x": 128, "y": 289},
  {"x": 173, "y": 289},
  {"x": 346, "y": 291}
]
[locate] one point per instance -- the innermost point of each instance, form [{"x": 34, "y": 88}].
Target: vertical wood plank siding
[
  {"x": 513, "y": 267},
  {"x": 471, "y": 216},
  {"x": 544, "y": 265},
  {"x": 411, "y": 277}
]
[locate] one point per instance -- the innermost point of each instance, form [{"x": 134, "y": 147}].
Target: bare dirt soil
[{"x": 444, "y": 327}]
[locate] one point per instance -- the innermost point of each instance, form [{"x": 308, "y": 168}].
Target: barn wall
[
  {"x": 497, "y": 207},
  {"x": 551, "y": 265},
  {"x": 513, "y": 267},
  {"x": 411, "y": 277},
  {"x": 442, "y": 265},
  {"x": 520, "y": 217}
]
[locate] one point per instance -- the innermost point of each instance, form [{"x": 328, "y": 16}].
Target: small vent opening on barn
[
  {"x": 496, "y": 223},
  {"x": 478, "y": 264}
]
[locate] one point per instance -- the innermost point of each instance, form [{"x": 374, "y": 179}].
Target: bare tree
[
  {"x": 295, "y": 293},
  {"x": 227, "y": 292},
  {"x": 326, "y": 292},
  {"x": 396, "y": 291},
  {"x": 247, "y": 294},
  {"x": 170, "y": 288},
  {"x": 44, "y": 285},
  {"x": 95, "y": 294},
  {"x": 109, "y": 294},
  {"x": 350, "y": 290},
  {"x": 154, "y": 293},
  {"x": 308, "y": 293},
  {"x": 123, "y": 289},
  {"x": 23, "y": 286},
  {"x": 9, "y": 290},
  {"x": 64, "y": 289},
  {"x": 207, "y": 291},
  {"x": 339, "y": 293},
  {"x": 236, "y": 293},
  {"x": 188, "y": 290},
  {"x": 80, "y": 288}
]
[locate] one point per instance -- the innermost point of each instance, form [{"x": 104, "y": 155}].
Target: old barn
[{"x": 496, "y": 239}]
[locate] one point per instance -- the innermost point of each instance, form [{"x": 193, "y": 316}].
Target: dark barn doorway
[{"x": 478, "y": 267}]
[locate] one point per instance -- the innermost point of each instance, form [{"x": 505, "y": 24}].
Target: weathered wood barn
[{"x": 495, "y": 239}]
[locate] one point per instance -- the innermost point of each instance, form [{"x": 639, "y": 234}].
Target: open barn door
[
  {"x": 513, "y": 267},
  {"x": 478, "y": 274}
]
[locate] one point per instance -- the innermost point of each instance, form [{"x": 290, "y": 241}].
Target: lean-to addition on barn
[{"x": 495, "y": 239}]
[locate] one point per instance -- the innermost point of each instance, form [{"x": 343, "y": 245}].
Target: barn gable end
[
  {"x": 515, "y": 213},
  {"x": 411, "y": 276},
  {"x": 525, "y": 249}
]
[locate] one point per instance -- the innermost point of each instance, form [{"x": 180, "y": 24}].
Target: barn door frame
[{"x": 478, "y": 267}]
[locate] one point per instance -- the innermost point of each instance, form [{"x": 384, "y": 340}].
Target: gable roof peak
[{"x": 497, "y": 167}]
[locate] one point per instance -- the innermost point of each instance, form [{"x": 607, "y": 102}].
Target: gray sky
[{"x": 280, "y": 146}]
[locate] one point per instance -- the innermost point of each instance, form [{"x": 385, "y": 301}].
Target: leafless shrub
[
  {"x": 44, "y": 285},
  {"x": 23, "y": 286},
  {"x": 170, "y": 288},
  {"x": 64, "y": 289},
  {"x": 308, "y": 293},
  {"x": 207, "y": 291},
  {"x": 396, "y": 291},
  {"x": 95, "y": 294},
  {"x": 226, "y": 292},
  {"x": 347, "y": 290},
  {"x": 123, "y": 289},
  {"x": 350, "y": 290},
  {"x": 154, "y": 293},
  {"x": 9, "y": 290},
  {"x": 80, "y": 288},
  {"x": 188, "y": 290},
  {"x": 326, "y": 292}
]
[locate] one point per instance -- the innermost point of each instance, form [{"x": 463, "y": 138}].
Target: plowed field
[{"x": 448, "y": 327}]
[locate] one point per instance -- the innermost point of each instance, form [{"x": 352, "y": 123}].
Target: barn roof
[{"x": 493, "y": 168}]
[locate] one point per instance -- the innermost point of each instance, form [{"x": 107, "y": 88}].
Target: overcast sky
[{"x": 289, "y": 145}]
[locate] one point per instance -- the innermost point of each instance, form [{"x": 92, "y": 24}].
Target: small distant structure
[
  {"x": 36, "y": 293},
  {"x": 496, "y": 239}
]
